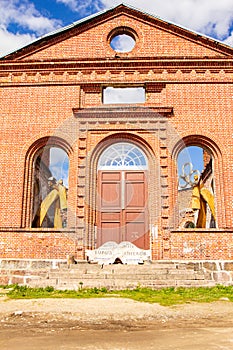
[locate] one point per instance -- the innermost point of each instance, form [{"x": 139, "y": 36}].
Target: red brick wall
[
  {"x": 202, "y": 244},
  {"x": 164, "y": 43},
  {"x": 37, "y": 244},
  {"x": 37, "y": 98}
]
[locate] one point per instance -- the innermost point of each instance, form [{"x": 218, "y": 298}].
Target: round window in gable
[{"x": 122, "y": 40}]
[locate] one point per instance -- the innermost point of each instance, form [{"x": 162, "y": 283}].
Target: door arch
[{"x": 122, "y": 193}]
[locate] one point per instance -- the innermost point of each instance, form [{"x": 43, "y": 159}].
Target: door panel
[
  {"x": 134, "y": 231},
  {"x": 110, "y": 197},
  {"x": 134, "y": 176},
  {"x": 110, "y": 216},
  {"x": 109, "y": 231},
  {"x": 122, "y": 207},
  {"x": 111, "y": 176},
  {"x": 135, "y": 190},
  {"x": 134, "y": 216},
  {"x": 136, "y": 227},
  {"x": 134, "y": 195}
]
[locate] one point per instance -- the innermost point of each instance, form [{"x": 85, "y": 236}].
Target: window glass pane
[
  {"x": 113, "y": 95},
  {"x": 123, "y": 155}
]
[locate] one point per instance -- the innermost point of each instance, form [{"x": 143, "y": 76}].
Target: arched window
[
  {"x": 50, "y": 186},
  {"x": 123, "y": 155},
  {"x": 196, "y": 186}
]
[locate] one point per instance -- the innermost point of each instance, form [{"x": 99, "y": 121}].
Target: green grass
[
  {"x": 165, "y": 296},
  {"x": 173, "y": 296}
]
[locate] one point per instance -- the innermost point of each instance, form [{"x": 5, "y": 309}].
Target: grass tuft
[{"x": 166, "y": 296}]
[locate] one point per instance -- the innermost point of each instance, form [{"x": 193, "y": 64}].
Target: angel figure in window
[
  {"x": 57, "y": 201},
  {"x": 201, "y": 197}
]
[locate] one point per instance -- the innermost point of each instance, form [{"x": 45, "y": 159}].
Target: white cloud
[
  {"x": 124, "y": 95},
  {"x": 59, "y": 164},
  {"x": 229, "y": 40},
  {"x": 10, "y": 42},
  {"x": 82, "y": 6},
  {"x": 212, "y": 18},
  {"x": 57, "y": 155},
  {"x": 122, "y": 43},
  {"x": 72, "y": 4},
  {"x": 24, "y": 15}
]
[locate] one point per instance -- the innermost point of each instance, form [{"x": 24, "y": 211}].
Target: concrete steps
[
  {"x": 122, "y": 276},
  {"x": 157, "y": 274}
]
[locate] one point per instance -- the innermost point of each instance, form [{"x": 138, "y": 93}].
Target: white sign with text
[{"x": 124, "y": 252}]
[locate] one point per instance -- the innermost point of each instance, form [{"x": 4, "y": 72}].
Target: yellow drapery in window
[
  {"x": 200, "y": 198},
  {"x": 57, "y": 195}
]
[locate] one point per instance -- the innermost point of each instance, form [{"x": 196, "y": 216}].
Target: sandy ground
[{"x": 114, "y": 323}]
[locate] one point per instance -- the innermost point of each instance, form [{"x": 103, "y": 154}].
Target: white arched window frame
[{"x": 124, "y": 156}]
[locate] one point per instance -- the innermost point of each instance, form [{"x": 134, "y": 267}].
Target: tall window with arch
[
  {"x": 196, "y": 192},
  {"x": 50, "y": 188}
]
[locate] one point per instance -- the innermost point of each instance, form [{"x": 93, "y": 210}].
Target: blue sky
[
  {"x": 22, "y": 21},
  {"x": 193, "y": 155},
  {"x": 59, "y": 164}
]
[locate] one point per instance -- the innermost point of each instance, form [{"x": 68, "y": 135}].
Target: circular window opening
[{"x": 122, "y": 43}]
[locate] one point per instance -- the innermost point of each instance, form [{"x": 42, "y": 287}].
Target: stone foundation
[{"x": 62, "y": 275}]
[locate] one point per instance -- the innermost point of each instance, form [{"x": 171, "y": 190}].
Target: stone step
[
  {"x": 149, "y": 266},
  {"x": 133, "y": 276},
  {"x": 156, "y": 274},
  {"x": 120, "y": 284},
  {"x": 91, "y": 274},
  {"x": 122, "y": 268}
]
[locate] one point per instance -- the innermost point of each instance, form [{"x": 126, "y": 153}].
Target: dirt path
[{"x": 114, "y": 323}]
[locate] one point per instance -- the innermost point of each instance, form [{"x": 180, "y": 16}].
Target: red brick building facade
[{"x": 52, "y": 96}]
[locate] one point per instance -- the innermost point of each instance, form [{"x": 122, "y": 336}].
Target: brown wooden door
[{"x": 122, "y": 213}]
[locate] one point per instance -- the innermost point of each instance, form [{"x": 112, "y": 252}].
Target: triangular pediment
[{"x": 90, "y": 38}]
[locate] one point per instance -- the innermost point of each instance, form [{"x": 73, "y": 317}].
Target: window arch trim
[{"x": 196, "y": 140}]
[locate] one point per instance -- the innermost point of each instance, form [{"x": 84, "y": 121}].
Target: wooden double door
[{"x": 122, "y": 213}]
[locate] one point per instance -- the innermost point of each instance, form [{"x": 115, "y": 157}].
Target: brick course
[{"x": 45, "y": 88}]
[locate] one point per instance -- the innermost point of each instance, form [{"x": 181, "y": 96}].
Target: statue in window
[
  {"x": 201, "y": 197},
  {"x": 56, "y": 199}
]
